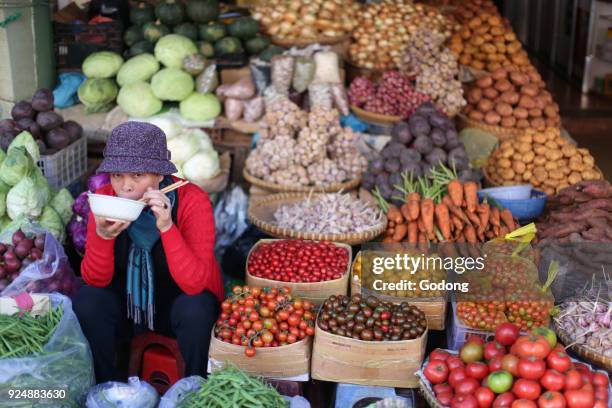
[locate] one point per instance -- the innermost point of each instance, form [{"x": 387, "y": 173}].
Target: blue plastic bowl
[
  {"x": 524, "y": 210},
  {"x": 522, "y": 192}
]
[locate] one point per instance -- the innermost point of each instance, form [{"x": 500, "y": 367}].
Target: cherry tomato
[
  {"x": 582, "y": 398},
  {"x": 456, "y": 375},
  {"x": 523, "y": 403},
  {"x": 293, "y": 320},
  {"x": 258, "y": 325},
  {"x": 267, "y": 337},
  {"x": 553, "y": 380},
  {"x": 531, "y": 368},
  {"x": 477, "y": 370},
  {"x": 249, "y": 351},
  {"x": 484, "y": 396},
  {"x": 466, "y": 386},
  {"x": 573, "y": 380},
  {"x": 436, "y": 371},
  {"x": 551, "y": 399},
  {"x": 506, "y": 334},
  {"x": 493, "y": 349},
  {"x": 559, "y": 361},
  {"x": 527, "y": 389}
]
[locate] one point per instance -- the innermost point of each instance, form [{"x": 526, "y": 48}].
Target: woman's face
[{"x": 134, "y": 185}]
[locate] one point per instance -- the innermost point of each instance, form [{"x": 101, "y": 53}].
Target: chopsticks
[{"x": 171, "y": 187}]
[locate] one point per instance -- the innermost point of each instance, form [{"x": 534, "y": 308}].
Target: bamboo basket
[
  {"x": 376, "y": 118},
  {"x": 584, "y": 352},
  {"x": 331, "y": 188},
  {"x": 261, "y": 214},
  {"x": 316, "y": 292},
  {"x": 429, "y": 396},
  {"x": 304, "y": 42},
  {"x": 500, "y": 132}
]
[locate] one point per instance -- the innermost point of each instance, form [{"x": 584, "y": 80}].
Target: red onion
[{"x": 18, "y": 236}]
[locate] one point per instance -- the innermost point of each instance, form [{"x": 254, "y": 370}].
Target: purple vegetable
[
  {"x": 78, "y": 233},
  {"x": 81, "y": 205},
  {"x": 97, "y": 181}
]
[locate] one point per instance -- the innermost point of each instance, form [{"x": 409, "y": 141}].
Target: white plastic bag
[
  {"x": 175, "y": 395},
  {"x": 134, "y": 394}
]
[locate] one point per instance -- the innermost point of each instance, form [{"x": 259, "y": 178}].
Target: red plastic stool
[{"x": 157, "y": 360}]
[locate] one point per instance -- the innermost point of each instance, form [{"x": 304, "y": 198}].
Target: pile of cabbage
[
  {"x": 25, "y": 195},
  {"x": 143, "y": 83}
]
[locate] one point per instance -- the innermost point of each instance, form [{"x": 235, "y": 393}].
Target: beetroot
[
  {"x": 12, "y": 265},
  {"x": 21, "y": 110},
  {"x": 36, "y": 254},
  {"x": 39, "y": 241},
  {"x": 18, "y": 236},
  {"x": 42, "y": 101}
]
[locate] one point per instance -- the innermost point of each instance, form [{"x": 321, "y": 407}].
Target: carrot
[
  {"x": 413, "y": 197},
  {"x": 400, "y": 232},
  {"x": 474, "y": 220},
  {"x": 421, "y": 225},
  {"x": 490, "y": 234},
  {"x": 455, "y": 191},
  {"x": 390, "y": 232},
  {"x": 456, "y": 222},
  {"x": 470, "y": 234},
  {"x": 390, "y": 224},
  {"x": 427, "y": 215},
  {"x": 460, "y": 238},
  {"x": 387, "y": 240},
  {"x": 405, "y": 210},
  {"x": 414, "y": 200},
  {"x": 443, "y": 220},
  {"x": 471, "y": 198},
  {"x": 484, "y": 212},
  {"x": 496, "y": 231},
  {"x": 454, "y": 209},
  {"x": 481, "y": 235},
  {"x": 506, "y": 217},
  {"x": 413, "y": 232},
  {"x": 394, "y": 214},
  {"x": 503, "y": 231},
  {"x": 495, "y": 216}
]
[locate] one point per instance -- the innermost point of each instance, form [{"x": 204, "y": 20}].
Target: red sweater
[{"x": 189, "y": 246}]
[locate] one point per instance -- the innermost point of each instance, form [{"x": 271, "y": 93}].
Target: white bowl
[
  {"x": 521, "y": 192},
  {"x": 115, "y": 208}
]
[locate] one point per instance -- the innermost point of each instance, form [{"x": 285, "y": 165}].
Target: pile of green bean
[
  {"x": 22, "y": 336},
  {"x": 232, "y": 387}
]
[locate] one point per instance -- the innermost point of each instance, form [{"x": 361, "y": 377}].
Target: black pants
[{"x": 102, "y": 314}]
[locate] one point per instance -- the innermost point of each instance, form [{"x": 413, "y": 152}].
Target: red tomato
[
  {"x": 456, "y": 375},
  {"x": 581, "y": 367},
  {"x": 436, "y": 371},
  {"x": 553, "y": 380},
  {"x": 531, "y": 368},
  {"x": 493, "y": 349},
  {"x": 293, "y": 320},
  {"x": 464, "y": 401},
  {"x": 510, "y": 363},
  {"x": 495, "y": 364},
  {"x": 445, "y": 398},
  {"x": 506, "y": 334},
  {"x": 477, "y": 370},
  {"x": 536, "y": 346},
  {"x": 467, "y": 386},
  {"x": 523, "y": 403},
  {"x": 600, "y": 404},
  {"x": 581, "y": 398},
  {"x": 600, "y": 380},
  {"x": 601, "y": 393},
  {"x": 475, "y": 339},
  {"x": 454, "y": 362},
  {"x": 573, "y": 380},
  {"x": 504, "y": 400},
  {"x": 587, "y": 376},
  {"x": 559, "y": 361},
  {"x": 551, "y": 399},
  {"x": 527, "y": 389},
  {"x": 440, "y": 388},
  {"x": 439, "y": 354},
  {"x": 249, "y": 351},
  {"x": 484, "y": 396}
]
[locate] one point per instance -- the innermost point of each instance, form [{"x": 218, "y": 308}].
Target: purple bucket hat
[{"x": 137, "y": 147}]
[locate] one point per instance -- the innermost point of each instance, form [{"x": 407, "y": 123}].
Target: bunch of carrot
[{"x": 443, "y": 211}]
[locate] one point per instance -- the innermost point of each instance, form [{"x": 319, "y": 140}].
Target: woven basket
[
  {"x": 431, "y": 399},
  {"x": 261, "y": 214},
  {"x": 377, "y": 118},
  {"x": 500, "y": 132},
  {"x": 331, "y": 188},
  {"x": 304, "y": 42},
  {"x": 589, "y": 355}
]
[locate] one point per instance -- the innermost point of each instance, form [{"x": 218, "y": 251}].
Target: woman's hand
[
  {"x": 160, "y": 205},
  {"x": 107, "y": 229}
]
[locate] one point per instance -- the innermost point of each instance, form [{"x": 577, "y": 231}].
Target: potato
[
  {"x": 535, "y": 113},
  {"x": 506, "y": 145},
  {"x": 479, "y": 65},
  {"x": 474, "y": 96},
  {"x": 566, "y": 170},
  {"x": 485, "y": 105},
  {"x": 487, "y": 37},
  {"x": 524, "y": 147},
  {"x": 549, "y": 191},
  {"x": 583, "y": 151},
  {"x": 562, "y": 141},
  {"x": 538, "y": 123},
  {"x": 519, "y": 167},
  {"x": 551, "y": 144},
  {"x": 528, "y": 157},
  {"x": 508, "y": 122},
  {"x": 551, "y": 165},
  {"x": 540, "y": 150},
  {"x": 484, "y": 82},
  {"x": 550, "y": 182},
  {"x": 499, "y": 74},
  {"x": 504, "y": 163},
  {"x": 540, "y": 173},
  {"x": 501, "y": 48},
  {"x": 465, "y": 59},
  {"x": 590, "y": 175},
  {"x": 510, "y": 97},
  {"x": 508, "y": 174},
  {"x": 477, "y": 40},
  {"x": 492, "y": 118},
  {"x": 526, "y": 102},
  {"x": 527, "y": 175},
  {"x": 522, "y": 123},
  {"x": 476, "y": 115},
  {"x": 551, "y": 122},
  {"x": 503, "y": 85},
  {"x": 524, "y": 138},
  {"x": 556, "y": 175},
  {"x": 480, "y": 56},
  {"x": 530, "y": 90},
  {"x": 539, "y": 160},
  {"x": 588, "y": 160},
  {"x": 553, "y": 154},
  {"x": 490, "y": 93},
  {"x": 521, "y": 113},
  {"x": 514, "y": 47},
  {"x": 493, "y": 66},
  {"x": 518, "y": 78},
  {"x": 534, "y": 76},
  {"x": 488, "y": 48},
  {"x": 503, "y": 109},
  {"x": 516, "y": 156},
  {"x": 539, "y": 138},
  {"x": 575, "y": 166},
  {"x": 482, "y": 29}
]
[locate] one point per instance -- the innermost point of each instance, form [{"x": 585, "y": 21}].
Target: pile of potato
[
  {"x": 544, "y": 159},
  {"x": 512, "y": 99},
  {"x": 465, "y": 10},
  {"x": 485, "y": 43}
]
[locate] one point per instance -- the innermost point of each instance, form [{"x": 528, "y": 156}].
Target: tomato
[
  {"x": 551, "y": 399},
  {"x": 253, "y": 316},
  {"x": 310, "y": 331},
  {"x": 445, "y": 398},
  {"x": 464, "y": 401},
  {"x": 587, "y": 376},
  {"x": 249, "y": 351},
  {"x": 532, "y": 345},
  {"x": 581, "y": 367},
  {"x": 559, "y": 361},
  {"x": 226, "y": 306},
  {"x": 499, "y": 381},
  {"x": 573, "y": 380},
  {"x": 600, "y": 404},
  {"x": 440, "y": 388},
  {"x": 436, "y": 371},
  {"x": 236, "y": 290},
  {"x": 467, "y": 386},
  {"x": 495, "y": 364},
  {"x": 475, "y": 339},
  {"x": 553, "y": 380},
  {"x": 471, "y": 352},
  {"x": 548, "y": 334},
  {"x": 504, "y": 400},
  {"x": 293, "y": 320},
  {"x": 527, "y": 389},
  {"x": 477, "y": 370},
  {"x": 523, "y": 403},
  {"x": 258, "y": 325},
  {"x": 493, "y": 349},
  {"x": 531, "y": 368},
  {"x": 602, "y": 393},
  {"x": 600, "y": 380},
  {"x": 510, "y": 363},
  {"x": 267, "y": 337},
  {"x": 258, "y": 342},
  {"x": 484, "y": 396},
  {"x": 292, "y": 338},
  {"x": 456, "y": 375},
  {"x": 439, "y": 354},
  {"x": 282, "y": 315},
  {"x": 506, "y": 334},
  {"x": 581, "y": 398},
  {"x": 454, "y": 362}
]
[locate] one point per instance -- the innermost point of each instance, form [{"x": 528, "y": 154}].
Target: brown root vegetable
[{"x": 492, "y": 118}]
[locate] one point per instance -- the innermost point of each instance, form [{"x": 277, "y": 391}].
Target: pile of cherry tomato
[
  {"x": 298, "y": 261},
  {"x": 264, "y": 317},
  {"x": 515, "y": 371}
]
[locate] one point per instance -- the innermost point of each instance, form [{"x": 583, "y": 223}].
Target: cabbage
[
  {"x": 62, "y": 203},
  {"x": 4, "y": 221},
  {"x": 202, "y": 166},
  {"x": 41, "y": 184},
  {"x": 25, "y": 199},
  {"x": 138, "y": 100},
  {"x": 183, "y": 147},
  {"x": 81, "y": 205},
  {"x": 172, "y": 84},
  {"x": 4, "y": 189},
  {"x": 137, "y": 69},
  {"x": 204, "y": 140},
  {"x": 98, "y": 94},
  {"x": 98, "y": 181},
  {"x": 8, "y": 228},
  {"x": 200, "y": 107},
  {"x": 2, "y": 156},
  {"x": 171, "y": 49},
  {"x": 25, "y": 139},
  {"x": 52, "y": 222},
  {"x": 17, "y": 165},
  {"x": 103, "y": 64},
  {"x": 168, "y": 124}
]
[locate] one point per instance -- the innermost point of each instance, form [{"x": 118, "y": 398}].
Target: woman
[{"x": 159, "y": 270}]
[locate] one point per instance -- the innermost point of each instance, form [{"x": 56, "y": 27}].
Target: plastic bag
[
  {"x": 135, "y": 393},
  {"x": 230, "y": 218},
  {"x": 297, "y": 402},
  {"x": 52, "y": 273},
  {"x": 303, "y": 73},
  {"x": 260, "y": 71},
  {"x": 208, "y": 80},
  {"x": 320, "y": 95},
  {"x": 174, "y": 396},
  {"x": 254, "y": 109},
  {"x": 233, "y": 108},
  {"x": 273, "y": 94},
  {"x": 327, "y": 67},
  {"x": 65, "y": 94},
  {"x": 340, "y": 98},
  {"x": 65, "y": 363},
  {"x": 282, "y": 72},
  {"x": 242, "y": 89}
]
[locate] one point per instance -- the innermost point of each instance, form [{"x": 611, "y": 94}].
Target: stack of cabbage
[
  {"x": 25, "y": 194},
  {"x": 144, "y": 86}
]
